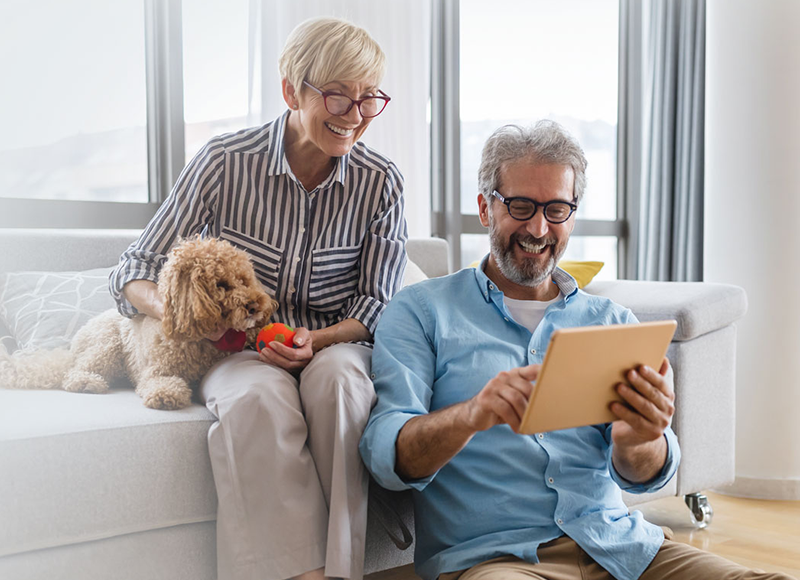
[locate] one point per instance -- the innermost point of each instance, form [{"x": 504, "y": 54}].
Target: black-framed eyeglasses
[
  {"x": 339, "y": 104},
  {"x": 522, "y": 208}
]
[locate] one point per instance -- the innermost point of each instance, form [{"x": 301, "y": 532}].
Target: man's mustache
[{"x": 532, "y": 240}]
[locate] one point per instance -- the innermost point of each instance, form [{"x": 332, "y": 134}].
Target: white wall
[{"x": 752, "y": 225}]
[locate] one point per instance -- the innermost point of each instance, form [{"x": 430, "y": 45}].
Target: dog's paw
[
  {"x": 83, "y": 382},
  {"x": 168, "y": 399}
]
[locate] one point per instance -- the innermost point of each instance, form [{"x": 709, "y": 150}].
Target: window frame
[
  {"x": 165, "y": 140},
  {"x": 447, "y": 220}
]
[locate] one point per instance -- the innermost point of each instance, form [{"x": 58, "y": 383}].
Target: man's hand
[
  {"x": 640, "y": 449},
  {"x": 290, "y": 359},
  {"x": 651, "y": 405},
  {"x": 503, "y": 399}
]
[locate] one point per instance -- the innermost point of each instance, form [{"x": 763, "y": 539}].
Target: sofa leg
[{"x": 699, "y": 508}]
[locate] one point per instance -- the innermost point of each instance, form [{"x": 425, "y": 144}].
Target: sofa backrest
[{"x": 59, "y": 250}]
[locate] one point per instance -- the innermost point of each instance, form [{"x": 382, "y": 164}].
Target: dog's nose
[{"x": 252, "y": 310}]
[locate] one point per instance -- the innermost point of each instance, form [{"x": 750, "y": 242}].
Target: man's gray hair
[{"x": 546, "y": 142}]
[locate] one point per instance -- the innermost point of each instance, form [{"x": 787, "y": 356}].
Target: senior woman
[{"x": 321, "y": 215}]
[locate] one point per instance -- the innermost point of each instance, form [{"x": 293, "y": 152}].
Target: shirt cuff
[
  {"x": 661, "y": 479},
  {"x": 379, "y": 452},
  {"x": 116, "y": 283},
  {"x": 367, "y": 310}
]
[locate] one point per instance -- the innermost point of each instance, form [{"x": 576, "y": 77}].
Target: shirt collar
[
  {"x": 278, "y": 151},
  {"x": 566, "y": 283}
]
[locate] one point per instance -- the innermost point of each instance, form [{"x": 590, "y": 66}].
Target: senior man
[{"x": 453, "y": 366}]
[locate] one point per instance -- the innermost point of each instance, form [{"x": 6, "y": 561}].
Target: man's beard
[{"x": 528, "y": 273}]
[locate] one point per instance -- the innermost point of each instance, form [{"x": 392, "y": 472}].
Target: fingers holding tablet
[
  {"x": 649, "y": 405},
  {"x": 503, "y": 399}
]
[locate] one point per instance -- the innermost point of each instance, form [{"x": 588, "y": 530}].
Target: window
[
  {"x": 215, "y": 70},
  {"x": 73, "y": 112},
  {"x": 103, "y": 103},
  {"x": 524, "y": 60}
]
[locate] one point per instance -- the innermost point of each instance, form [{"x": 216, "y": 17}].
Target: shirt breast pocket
[
  {"x": 266, "y": 258},
  {"x": 334, "y": 276}
]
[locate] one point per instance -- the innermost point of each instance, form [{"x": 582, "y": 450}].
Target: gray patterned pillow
[{"x": 46, "y": 309}]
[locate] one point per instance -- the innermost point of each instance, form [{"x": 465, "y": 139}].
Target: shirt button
[
  {"x": 291, "y": 307},
  {"x": 550, "y": 479},
  {"x": 541, "y": 435},
  {"x": 372, "y": 376},
  {"x": 559, "y": 521},
  {"x": 302, "y": 230},
  {"x": 506, "y": 319},
  {"x": 297, "y": 259},
  {"x": 292, "y": 290},
  {"x": 533, "y": 351},
  {"x": 491, "y": 287}
]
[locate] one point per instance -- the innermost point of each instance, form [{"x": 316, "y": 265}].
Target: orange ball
[{"x": 275, "y": 331}]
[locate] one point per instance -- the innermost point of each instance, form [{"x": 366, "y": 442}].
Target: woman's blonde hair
[{"x": 322, "y": 50}]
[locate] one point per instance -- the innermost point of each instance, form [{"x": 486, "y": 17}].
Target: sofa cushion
[
  {"x": 413, "y": 274},
  {"x": 46, "y": 309},
  {"x": 582, "y": 270},
  {"x": 698, "y": 307},
  {"x": 81, "y": 467}
]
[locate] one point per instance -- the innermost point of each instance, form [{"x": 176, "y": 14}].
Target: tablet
[{"x": 583, "y": 365}]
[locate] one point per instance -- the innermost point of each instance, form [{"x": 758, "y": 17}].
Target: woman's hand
[
  {"x": 144, "y": 296},
  {"x": 290, "y": 359}
]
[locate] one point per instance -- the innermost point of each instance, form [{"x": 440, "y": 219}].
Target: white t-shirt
[{"x": 528, "y": 313}]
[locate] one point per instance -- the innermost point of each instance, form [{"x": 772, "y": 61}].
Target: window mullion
[
  {"x": 164, "y": 69},
  {"x": 446, "y": 127}
]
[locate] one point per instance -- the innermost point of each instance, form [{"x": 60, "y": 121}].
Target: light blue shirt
[{"x": 438, "y": 343}]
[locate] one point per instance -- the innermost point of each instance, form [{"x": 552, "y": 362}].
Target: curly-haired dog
[{"x": 205, "y": 284}]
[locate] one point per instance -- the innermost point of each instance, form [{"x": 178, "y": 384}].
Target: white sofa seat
[{"x": 90, "y": 467}]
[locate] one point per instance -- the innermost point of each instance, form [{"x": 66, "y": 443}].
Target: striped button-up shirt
[{"x": 333, "y": 253}]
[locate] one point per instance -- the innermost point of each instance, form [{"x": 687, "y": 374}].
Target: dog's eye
[{"x": 223, "y": 285}]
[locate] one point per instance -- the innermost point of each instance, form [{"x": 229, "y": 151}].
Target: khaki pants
[
  {"x": 291, "y": 485},
  {"x": 563, "y": 559}
]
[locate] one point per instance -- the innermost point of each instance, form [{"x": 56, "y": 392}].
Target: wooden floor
[{"x": 756, "y": 533}]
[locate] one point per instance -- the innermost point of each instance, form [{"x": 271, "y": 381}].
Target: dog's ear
[{"x": 190, "y": 311}]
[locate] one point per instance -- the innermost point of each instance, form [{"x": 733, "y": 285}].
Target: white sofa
[{"x": 100, "y": 487}]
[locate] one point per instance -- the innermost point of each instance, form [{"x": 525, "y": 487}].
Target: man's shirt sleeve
[
  {"x": 660, "y": 480},
  {"x": 403, "y": 368}
]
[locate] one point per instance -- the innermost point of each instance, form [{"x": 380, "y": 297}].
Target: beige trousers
[
  {"x": 563, "y": 559},
  {"x": 291, "y": 485}
]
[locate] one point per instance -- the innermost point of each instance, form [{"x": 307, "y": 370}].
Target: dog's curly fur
[{"x": 205, "y": 284}]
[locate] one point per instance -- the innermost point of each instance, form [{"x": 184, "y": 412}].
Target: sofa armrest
[
  {"x": 703, "y": 356},
  {"x": 698, "y": 307}
]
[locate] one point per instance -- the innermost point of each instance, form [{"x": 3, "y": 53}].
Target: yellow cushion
[{"x": 583, "y": 272}]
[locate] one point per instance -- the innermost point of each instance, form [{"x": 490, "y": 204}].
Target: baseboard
[{"x": 758, "y": 488}]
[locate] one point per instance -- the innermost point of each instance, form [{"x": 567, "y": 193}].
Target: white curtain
[{"x": 402, "y": 28}]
